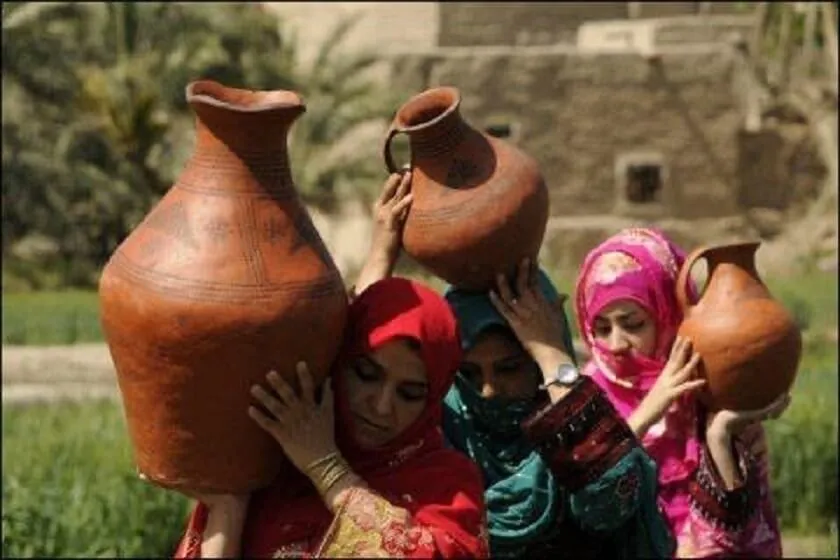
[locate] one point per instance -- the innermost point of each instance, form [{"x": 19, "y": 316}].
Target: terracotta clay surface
[
  {"x": 749, "y": 344},
  {"x": 480, "y": 204},
  {"x": 225, "y": 279}
]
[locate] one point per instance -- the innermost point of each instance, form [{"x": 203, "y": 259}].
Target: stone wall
[
  {"x": 580, "y": 116},
  {"x": 519, "y": 23},
  {"x": 548, "y": 23}
]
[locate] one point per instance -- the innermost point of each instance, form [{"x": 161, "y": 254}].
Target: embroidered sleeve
[
  {"x": 729, "y": 510},
  {"x": 611, "y": 500},
  {"x": 581, "y": 437},
  {"x": 368, "y": 525},
  {"x": 740, "y": 521}
]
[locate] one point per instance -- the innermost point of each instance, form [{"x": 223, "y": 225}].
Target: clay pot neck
[
  {"x": 244, "y": 121},
  {"x": 432, "y": 119},
  {"x": 740, "y": 255}
]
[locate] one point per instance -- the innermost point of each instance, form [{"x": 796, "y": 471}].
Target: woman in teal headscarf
[
  {"x": 593, "y": 494},
  {"x": 563, "y": 473}
]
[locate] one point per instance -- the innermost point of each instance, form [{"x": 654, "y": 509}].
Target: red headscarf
[{"x": 441, "y": 488}]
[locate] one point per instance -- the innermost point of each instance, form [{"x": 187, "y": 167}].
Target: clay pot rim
[
  {"x": 704, "y": 250},
  {"x": 442, "y": 90},
  {"x": 210, "y": 92}
]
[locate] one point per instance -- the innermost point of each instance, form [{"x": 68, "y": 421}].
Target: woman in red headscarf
[{"x": 380, "y": 482}]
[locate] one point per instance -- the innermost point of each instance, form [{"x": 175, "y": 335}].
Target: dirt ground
[{"x": 51, "y": 373}]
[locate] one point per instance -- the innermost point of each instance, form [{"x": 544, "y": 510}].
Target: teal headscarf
[{"x": 520, "y": 493}]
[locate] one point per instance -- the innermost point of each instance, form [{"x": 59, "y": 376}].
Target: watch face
[{"x": 567, "y": 374}]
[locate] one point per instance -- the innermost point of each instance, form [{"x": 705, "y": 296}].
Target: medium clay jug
[
  {"x": 225, "y": 279},
  {"x": 480, "y": 204},
  {"x": 749, "y": 344}
]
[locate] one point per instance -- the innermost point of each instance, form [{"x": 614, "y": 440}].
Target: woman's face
[
  {"x": 499, "y": 367},
  {"x": 624, "y": 326},
  {"x": 387, "y": 391}
]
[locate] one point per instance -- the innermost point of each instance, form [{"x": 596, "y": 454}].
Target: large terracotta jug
[
  {"x": 749, "y": 344},
  {"x": 225, "y": 279},
  {"x": 480, "y": 204}
]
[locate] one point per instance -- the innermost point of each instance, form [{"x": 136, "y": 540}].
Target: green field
[
  {"x": 70, "y": 489},
  {"x": 42, "y": 318}
]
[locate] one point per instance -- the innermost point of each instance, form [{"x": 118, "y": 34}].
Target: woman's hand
[
  {"x": 722, "y": 425},
  {"x": 304, "y": 428},
  {"x": 389, "y": 213},
  {"x": 727, "y": 423},
  {"x": 676, "y": 379},
  {"x": 536, "y": 322}
]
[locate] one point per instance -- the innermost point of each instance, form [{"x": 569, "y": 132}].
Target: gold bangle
[
  {"x": 328, "y": 458},
  {"x": 333, "y": 470}
]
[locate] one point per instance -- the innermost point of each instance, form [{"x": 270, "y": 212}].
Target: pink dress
[{"x": 641, "y": 265}]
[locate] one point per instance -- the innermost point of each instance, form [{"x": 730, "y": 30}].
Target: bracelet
[
  {"x": 326, "y": 471},
  {"x": 311, "y": 467}
]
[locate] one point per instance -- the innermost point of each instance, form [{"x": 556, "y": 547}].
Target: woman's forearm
[
  {"x": 378, "y": 266},
  {"x": 333, "y": 479},
  {"x": 548, "y": 361},
  {"x": 223, "y": 534},
  {"x": 640, "y": 421},
  {"x": 724, "y": 459},
  {"x": 337, "y": 494}
]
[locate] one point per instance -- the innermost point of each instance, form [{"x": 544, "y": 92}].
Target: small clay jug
[
  {"x": 225, "y": 279},
  {"x": 480, "y": 204},
  {"x": 749, "y": 344}
]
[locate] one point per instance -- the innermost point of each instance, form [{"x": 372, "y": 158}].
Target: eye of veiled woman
[
  {"x": 634, "y": 325},
  {"x": 601, "y": 331}
]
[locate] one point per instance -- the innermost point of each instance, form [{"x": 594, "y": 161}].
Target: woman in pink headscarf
[{"x": 713, "y": 480}]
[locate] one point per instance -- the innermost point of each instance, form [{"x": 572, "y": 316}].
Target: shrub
[{"x": 803, "y": 453}]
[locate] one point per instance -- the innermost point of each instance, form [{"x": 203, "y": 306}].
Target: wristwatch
[{"x": 567, "y": 375}]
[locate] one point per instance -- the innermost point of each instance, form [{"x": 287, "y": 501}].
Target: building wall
[
  {"x": 581, "y": 110},
  {"x": 578, "y": 115},
  {"x": 519, "y": 23},
  {"x": 548, "y": 23}
]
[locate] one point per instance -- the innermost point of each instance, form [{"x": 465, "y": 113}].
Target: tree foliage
[{"x": 96, "y": 125}]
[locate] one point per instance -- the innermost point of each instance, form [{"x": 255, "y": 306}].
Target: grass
[
  {"x": 46, "y": 318},
  {"x": 71, "y": 317},
  {"x": 70, "y": 489}
]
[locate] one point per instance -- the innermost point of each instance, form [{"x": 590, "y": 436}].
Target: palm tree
[{"x": 92, "y": 138}]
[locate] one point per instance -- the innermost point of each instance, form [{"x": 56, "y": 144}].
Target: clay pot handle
[
  {"x": 386, "y": 149},
  {"x": 685, "y": 276}
]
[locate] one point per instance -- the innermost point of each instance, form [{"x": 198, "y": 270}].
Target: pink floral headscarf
[{"x": 641, "y": 264}]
